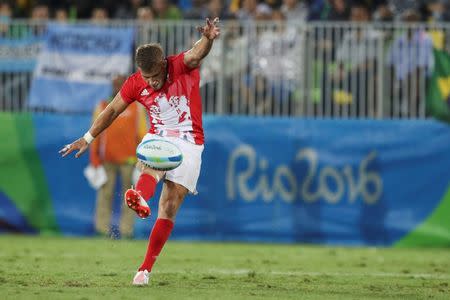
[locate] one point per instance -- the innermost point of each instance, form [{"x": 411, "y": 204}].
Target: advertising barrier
[{"x": 348, "y": 182}]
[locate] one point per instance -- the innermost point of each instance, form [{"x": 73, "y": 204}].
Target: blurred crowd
[
  {"x": 298, "y": 10},
  {"x": 273, "y": 67}
]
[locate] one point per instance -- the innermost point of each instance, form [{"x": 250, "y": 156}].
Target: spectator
[
  {"x": 166, "y": 11},
  {"x": 356, "y": 59},
  {"x": 277, "y": 65},
  {"x": 211, "y": 9},
  {"x": 8, "y": 29},
  {"x": 145, "y": 14},
  {"x": 217, "y": 8},
  {"x": 61, "y": 15},
  {"x": 145, "y": 17},
  {"x": 411, "y": 59},
  {"x": 331, "y": 10},
  {"x": 383, "y": 13},
  {"x": 338, "y": 10},
  {"x": 196, "y": 11},
  {"x": 99, "y": 15},
  {"x": 234, "y": 6},
  {"x": 5, "y": 18},
  {"x": 5, "y": 10},
  {"x": 411, "y": 50},
  {"x": 39, "y": 17},
  {"x": 128, "y": 9},
  {"x": 251, "y": 10},
  {"x": 389, "y": 10},
  {"x": 40, "y": 12},
  {"x": 438, "y": 10},
  {"x": 115, "y": 150},
  {"x": 295, "y": 10},
  {"x": 400, "y": 7},
  {"x": 315, "y": 9},
  {"x": 229, "y": 60}
]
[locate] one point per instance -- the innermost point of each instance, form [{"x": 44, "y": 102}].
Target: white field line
[{"x": 312, "y": 274}]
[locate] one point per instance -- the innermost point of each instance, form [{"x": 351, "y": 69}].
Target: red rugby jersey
[{"x": 175, "y": 109}]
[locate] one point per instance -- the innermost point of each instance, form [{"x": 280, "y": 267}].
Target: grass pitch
[{"x": 73, "y": 268}]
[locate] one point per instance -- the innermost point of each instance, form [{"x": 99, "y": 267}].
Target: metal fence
[{"x": 340, "y": 70}]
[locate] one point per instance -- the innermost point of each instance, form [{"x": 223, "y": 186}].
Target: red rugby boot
[{"x": 135, "y": 201}]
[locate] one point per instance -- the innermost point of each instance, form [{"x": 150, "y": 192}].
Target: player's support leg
[
  {"x": 137, "y": 198},
  {"x": 171, "y": 199}
]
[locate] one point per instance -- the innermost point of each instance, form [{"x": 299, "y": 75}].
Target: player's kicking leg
[
  {"x": 137, "y": 198},
  {"x": 172, "y": 197}
]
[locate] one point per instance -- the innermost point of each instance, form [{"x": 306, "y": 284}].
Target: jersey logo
[{"x": 145, "y": 93}]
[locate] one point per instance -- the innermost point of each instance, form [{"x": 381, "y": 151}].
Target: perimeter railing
[{"x": 338, "y": 70}]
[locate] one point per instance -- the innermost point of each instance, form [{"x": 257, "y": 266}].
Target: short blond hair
[{"x": 149, "y": 55}]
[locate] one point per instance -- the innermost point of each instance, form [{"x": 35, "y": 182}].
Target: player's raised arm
[
  {"x": 210, "y": 31},
  {"x": 106, "y": 117}
]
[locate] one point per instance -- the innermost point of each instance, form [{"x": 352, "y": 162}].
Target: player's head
[{"x": 150, "y": 60}]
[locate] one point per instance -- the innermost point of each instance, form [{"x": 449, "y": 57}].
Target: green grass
[{"x": 73, "y": 268}]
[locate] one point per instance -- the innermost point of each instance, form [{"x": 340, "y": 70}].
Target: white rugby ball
[{"x": 159, "y": 154}]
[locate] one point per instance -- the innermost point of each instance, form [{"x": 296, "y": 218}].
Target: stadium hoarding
[
  {"x": 352, "y": 182},
  {"x": 348, "y": 182}
]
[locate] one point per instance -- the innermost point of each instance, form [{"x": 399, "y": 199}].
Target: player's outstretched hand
[
  {"x": 81, "y": 145},
  {"x": 210, "y": 30}
]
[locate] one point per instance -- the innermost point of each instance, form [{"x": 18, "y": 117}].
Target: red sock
[
  {"x": 146, "y": 185},
  {"x": 159, "y": 236}
]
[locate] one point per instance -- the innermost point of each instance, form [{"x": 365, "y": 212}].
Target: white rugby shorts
[{"x": 187, "y": 173}]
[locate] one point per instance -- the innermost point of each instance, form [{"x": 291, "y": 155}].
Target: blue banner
[
  {"x": 76, "y": 66},
  {"x": 349, "y": 182},
  {"x": 89, "y": 39},
  {"x": 320, "y": 181},
  {"x": 19, "y": 55}
]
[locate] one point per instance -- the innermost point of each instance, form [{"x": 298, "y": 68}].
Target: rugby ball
[{"x": 159, "y": 154}]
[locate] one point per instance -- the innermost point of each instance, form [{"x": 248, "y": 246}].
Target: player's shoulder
[
  {"x": 172, "y": 58},
  {"x": 135, "y": 77},
  {"x": 135, "y": 80},
  {"x": 178, "y": 65},
  {"x": 132, "y": 87}
]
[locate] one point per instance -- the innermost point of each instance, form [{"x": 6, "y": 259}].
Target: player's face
[{"x": 156, "y": 77}]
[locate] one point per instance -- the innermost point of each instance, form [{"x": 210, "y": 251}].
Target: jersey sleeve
[
  {"x": 129, "y": 90},
  {"x": 94, "y": 149}
]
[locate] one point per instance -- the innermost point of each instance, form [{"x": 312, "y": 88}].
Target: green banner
[
  {"x": 432, "y": 232},
  {"x": 22, "y": 177},
  {"x": 438, "y": 94}
]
